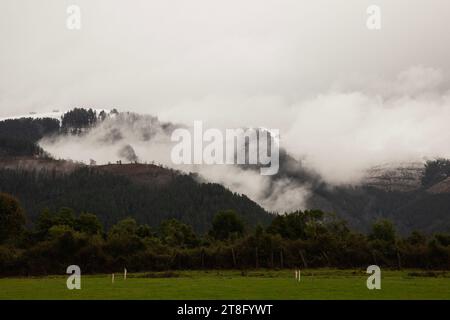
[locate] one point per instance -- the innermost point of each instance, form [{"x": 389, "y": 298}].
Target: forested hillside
[
  {"x": 305, "y": 239},
  {"x": 113, "y": 196},
  {"x": 413, "y": 198},
  {"x": 147, "y": 193},
  {"x": 18, "y": 137},
  {"x": 425, "y": 207}
]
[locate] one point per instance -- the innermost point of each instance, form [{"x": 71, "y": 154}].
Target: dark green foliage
[
  {"x": 79, "y": 118},
  {"x": 12, "y": 217},
  {"x": 297, "y": 225},
  {"x": 416, "y": 238},
  {"x": 123, "y": 239},
  {"x": 19, "y": 148},
  {"x": 383, "y": 230},
  {"x": 382, "y": 241},
  {"x": 227, "y": 224},
  {"x": 443, "y": 239},
  {"x": 28, "y": 129},
  {"x": 177, "y": 234},
  {"x": 412, "y": 210},
  {"x": 436, "y": 171},
  {"x": 88, "y": 223},
  {"x": 316, "y": 240},
  {"x": 48, "y": 223},
  {"x": 113, "y": 197},
  {"x": 19, "y": 137}
]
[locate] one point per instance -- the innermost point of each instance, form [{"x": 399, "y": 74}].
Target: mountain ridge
[{"x": 412, "y": 195}]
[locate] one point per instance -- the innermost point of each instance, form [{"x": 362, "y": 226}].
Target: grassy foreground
[{"x": 315, "y": 284}]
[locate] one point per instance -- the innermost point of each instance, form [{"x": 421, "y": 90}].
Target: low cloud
[
  {"x": 338, "y": 135},
  {"x": 128, "y": 137}
]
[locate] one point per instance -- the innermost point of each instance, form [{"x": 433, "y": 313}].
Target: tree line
[
  {"x": 301, "y": 239},
  {"x": 19, "y": 137},
  {"x": 114, "y": 197}
]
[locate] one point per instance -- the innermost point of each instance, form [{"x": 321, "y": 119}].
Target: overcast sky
[
  {"x": 309, "y": 68},
  {"x": 156, "y": 56}
]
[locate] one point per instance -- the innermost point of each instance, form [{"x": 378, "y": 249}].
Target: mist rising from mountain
[
  {"x": 334, "y": 137},
  {"x": 130, "y": 137}
]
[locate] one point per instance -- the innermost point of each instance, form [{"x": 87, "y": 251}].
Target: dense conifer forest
[
  {"x": 305, "y": 239},
  {"x": 145, "y": 217}
]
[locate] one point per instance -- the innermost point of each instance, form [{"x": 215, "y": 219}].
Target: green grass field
[{"x": 315, "y": 284}]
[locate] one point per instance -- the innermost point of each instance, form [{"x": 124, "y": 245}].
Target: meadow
[{"x": 319, "y": 284}]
